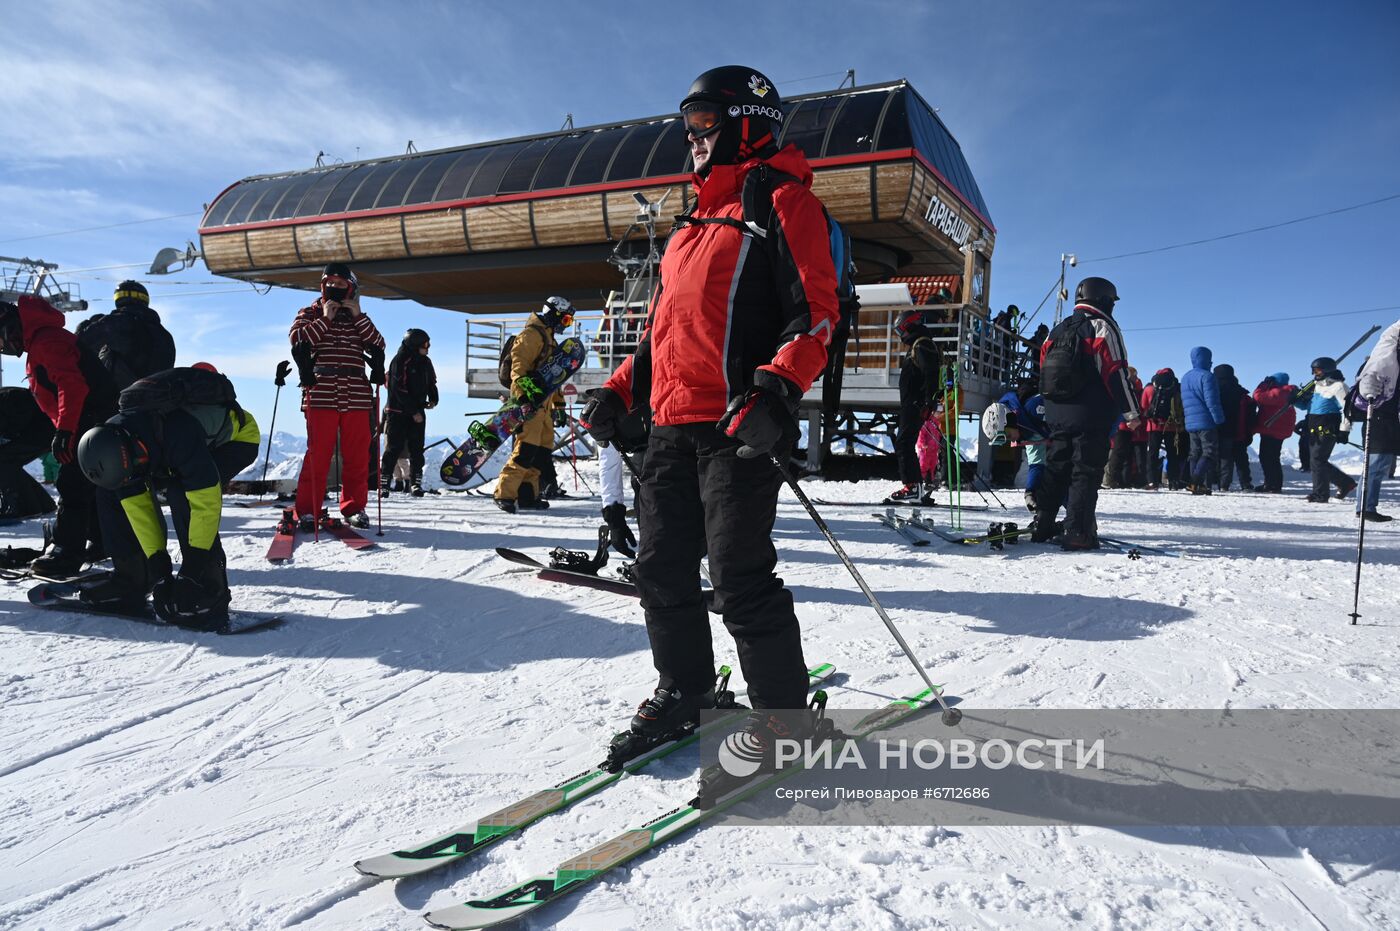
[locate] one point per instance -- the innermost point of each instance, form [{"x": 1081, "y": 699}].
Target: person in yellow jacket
[
  {"x": 188, "y": 452},
  {"x": 519, "y": 484}
]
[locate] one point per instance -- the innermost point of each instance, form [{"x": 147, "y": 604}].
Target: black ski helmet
[
  {"x": 557, "y": 312},
  {"x": 416, "y": 338},
  {"x": 339, "y": 270},
  {"x": 131, "y": 293},
  {"x": 1097, "y": 292},
  {"x": 111, "y": 457},
  {"x": 747, "y": 111},
  {"x": 11, "y": 329},
  {"x": 1324, "y": 364}
]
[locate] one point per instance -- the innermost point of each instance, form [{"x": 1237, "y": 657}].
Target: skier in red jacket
[
  {"x": 737, "y": 332},
  {"x": 76, "y": 392}
]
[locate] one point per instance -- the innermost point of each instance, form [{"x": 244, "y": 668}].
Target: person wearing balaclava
[{"x": 340, "y": 339}]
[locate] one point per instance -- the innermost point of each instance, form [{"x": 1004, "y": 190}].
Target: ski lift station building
[{"x": 493, "y": 228}]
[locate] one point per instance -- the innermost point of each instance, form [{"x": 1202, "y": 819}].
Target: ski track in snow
[{"x": 155, "y": 778}]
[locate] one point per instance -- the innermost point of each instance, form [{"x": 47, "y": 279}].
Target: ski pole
[
  {"x": 445, "y": 439},
  {"x": 951, "y": 716},
  {"x": 991, "y": 491},
  {"x": 378, "y": 464},
  {"x": 1361, "y": 503},
  {"x": 280, "y": 379}
]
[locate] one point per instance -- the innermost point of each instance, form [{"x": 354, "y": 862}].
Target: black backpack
[
  {"x": 176, "y": 388},
  {"x": 503, "y": 364},
  {"x": 1066, "y": 367},
  {"x": 1164, "y": 390}
]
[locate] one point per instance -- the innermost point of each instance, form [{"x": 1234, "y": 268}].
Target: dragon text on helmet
[
  {"x": 749, "y": 109},
  {"x": 946, "y": 220}
]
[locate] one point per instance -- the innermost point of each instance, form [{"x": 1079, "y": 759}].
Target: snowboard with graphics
[{"x": 485, "y": 437}]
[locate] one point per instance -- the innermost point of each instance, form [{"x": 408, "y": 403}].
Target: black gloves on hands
[
  {"x": 65, "y": 446},
  {"x": 561, "y": 417},
  {"x": 764, "y": 417},
  {"x": 601, "y": 414},
  {"x": 620, "y": 535}
]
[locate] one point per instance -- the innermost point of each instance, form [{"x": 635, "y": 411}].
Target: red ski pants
[{"x": 322, "y": 427}]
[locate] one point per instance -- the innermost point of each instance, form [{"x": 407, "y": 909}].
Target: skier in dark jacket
[
  {"x": 1326, "y": 424},
  {"x": 1080, "y": 424},
  {"x": 75, "y": 391},
  {"x": 1200, "y": 399},
  {"x": 130, "y": 342},
  {"x": 1234, "y": 438},
  {"x": 738, "y": 331},
  {"x": 919, "y": 387},
  {"x": 25, "y": 435},
  {"x": 412, "y": 392},
  {"x": 187, "y": 455}
]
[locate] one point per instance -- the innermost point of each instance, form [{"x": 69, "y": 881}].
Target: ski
[
  {"x": 470, "y": 838},
  {"x": 887, "y": 502},
  {"x": 89, "y": 576},
  {"x": 285, "y": 539},
  {"x": 1138, "y": 548},
  {"x": 996, "y": 535},
  {"x": 64, "y": 597},
  {"x": 900, "y": 526},
  {"x": 512, "y": 903},
  {"x": 345, "y": 534}
]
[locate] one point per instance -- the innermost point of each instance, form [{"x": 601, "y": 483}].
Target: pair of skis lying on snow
[
  {"x": 999, "y": 535},
  {"x": 515, "y": 901}
]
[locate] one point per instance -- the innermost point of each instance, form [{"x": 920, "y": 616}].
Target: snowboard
[
  {"x": 485, "y": 437},
  {"x": 569, "y": 576},
  {"x": 64, "y": 597}
]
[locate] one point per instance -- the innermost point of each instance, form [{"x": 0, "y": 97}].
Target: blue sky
[{"x": 1093, "y": 128}]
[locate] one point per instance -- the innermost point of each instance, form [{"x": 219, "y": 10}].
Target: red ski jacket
[
  {"x": 53, "y": 363},
  {"x": 731, "y": 302}
]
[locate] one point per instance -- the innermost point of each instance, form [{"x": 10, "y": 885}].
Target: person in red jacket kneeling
[{"x": 737, "y": 332}]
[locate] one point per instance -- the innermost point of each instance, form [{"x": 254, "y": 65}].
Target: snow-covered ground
[{"x": 153, "y": 778}]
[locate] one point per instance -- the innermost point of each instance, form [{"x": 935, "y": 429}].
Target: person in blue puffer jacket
[{"x": 1200, "y": 399}]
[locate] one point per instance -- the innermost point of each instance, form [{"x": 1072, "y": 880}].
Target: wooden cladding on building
[{"x": 888, "y": 203}]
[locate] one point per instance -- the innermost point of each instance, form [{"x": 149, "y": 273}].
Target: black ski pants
[
  {"x": 1176, "y": 458},
  {"x": 1074, "y": 466},
  {"x": 402, "y": 433},
  {"x": 20, "y": 495},
  {"x": 1234, "y": 458},
  {"x": 906, "y": 442},
  {"x": 1322, "y": 430},
  {"x": 1270, "y": 449},
  {"x": 697, "y": 493}
]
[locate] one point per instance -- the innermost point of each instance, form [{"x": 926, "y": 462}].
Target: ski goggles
[{"x": 702, "y": 119}]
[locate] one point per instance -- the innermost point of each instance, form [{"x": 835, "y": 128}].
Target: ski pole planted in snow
[
  {"x": 951, "y": 716},
  {"x": 378, "y": 464},
  {"x": 1361, "y": 503},
  {"x": 283, "y": 368}
]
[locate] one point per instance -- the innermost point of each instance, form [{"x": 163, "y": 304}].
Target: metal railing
[{"x": 989, "y": 357}]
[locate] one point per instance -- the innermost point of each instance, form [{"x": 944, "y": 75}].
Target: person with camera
[{"x": 340, "y": 339}]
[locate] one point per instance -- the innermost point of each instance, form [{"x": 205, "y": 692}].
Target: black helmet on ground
[
  {"x": 737, "y": 105},
  {"x": 131, "y": 293},
  {"x": 1324, "y": 364},
  {"x": 557, "y": 312},
  {"x": 111, "y": 457},
  {"x": 1097, "y": 292},
  {"x": 416, "y": 338},
  {"x": 11, "y": 329},
  {"x": 338, "y": 282}
]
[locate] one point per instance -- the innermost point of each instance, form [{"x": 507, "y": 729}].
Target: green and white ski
[
  {"x": 472, "y": 837},
  {"x": 516, "y": 901}
]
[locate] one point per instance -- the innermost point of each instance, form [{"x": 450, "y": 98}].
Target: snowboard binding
[
  {"x": 482, "y": 434},
  {"x": 994, "y": 537},
  {"x": 629, "y": 745},
  {"x": 581, "y": 560}
]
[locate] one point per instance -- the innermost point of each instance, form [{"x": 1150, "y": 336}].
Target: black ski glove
[
  {"x": 764, "y": 417},
  {"x": 620, "y": 535},
  {"x": 561, "y": 417},
  {"x": 375, "y": 359},
  {"x": 65, "y": 446},
  {"x": 601, "y": 414}
]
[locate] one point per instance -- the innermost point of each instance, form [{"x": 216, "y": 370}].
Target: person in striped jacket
[{"x": 338, "y": 403}]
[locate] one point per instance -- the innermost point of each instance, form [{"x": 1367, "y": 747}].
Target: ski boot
[
  {"x": 666, "y": 716},
  {"x": 359, "y": 520},
  {"x": 384, "y": 491},
  {"x": 751, "y": 752},
  {"x": 505, "y": 504},
  {"x": 1012, "y": 533},
  {"x": 994, "y": 538},
  {"x": 907, "y": 493},
  {"x": 526, "y": 499},
  {"x": 57, "y": 563},
  {"x": 305, "y": 524},
  {"x": 415, "y": 488},
  {"x": 114, "y": 595}
]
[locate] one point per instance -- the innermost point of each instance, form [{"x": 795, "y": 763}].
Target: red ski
[{"x": 286, "y": 539}]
